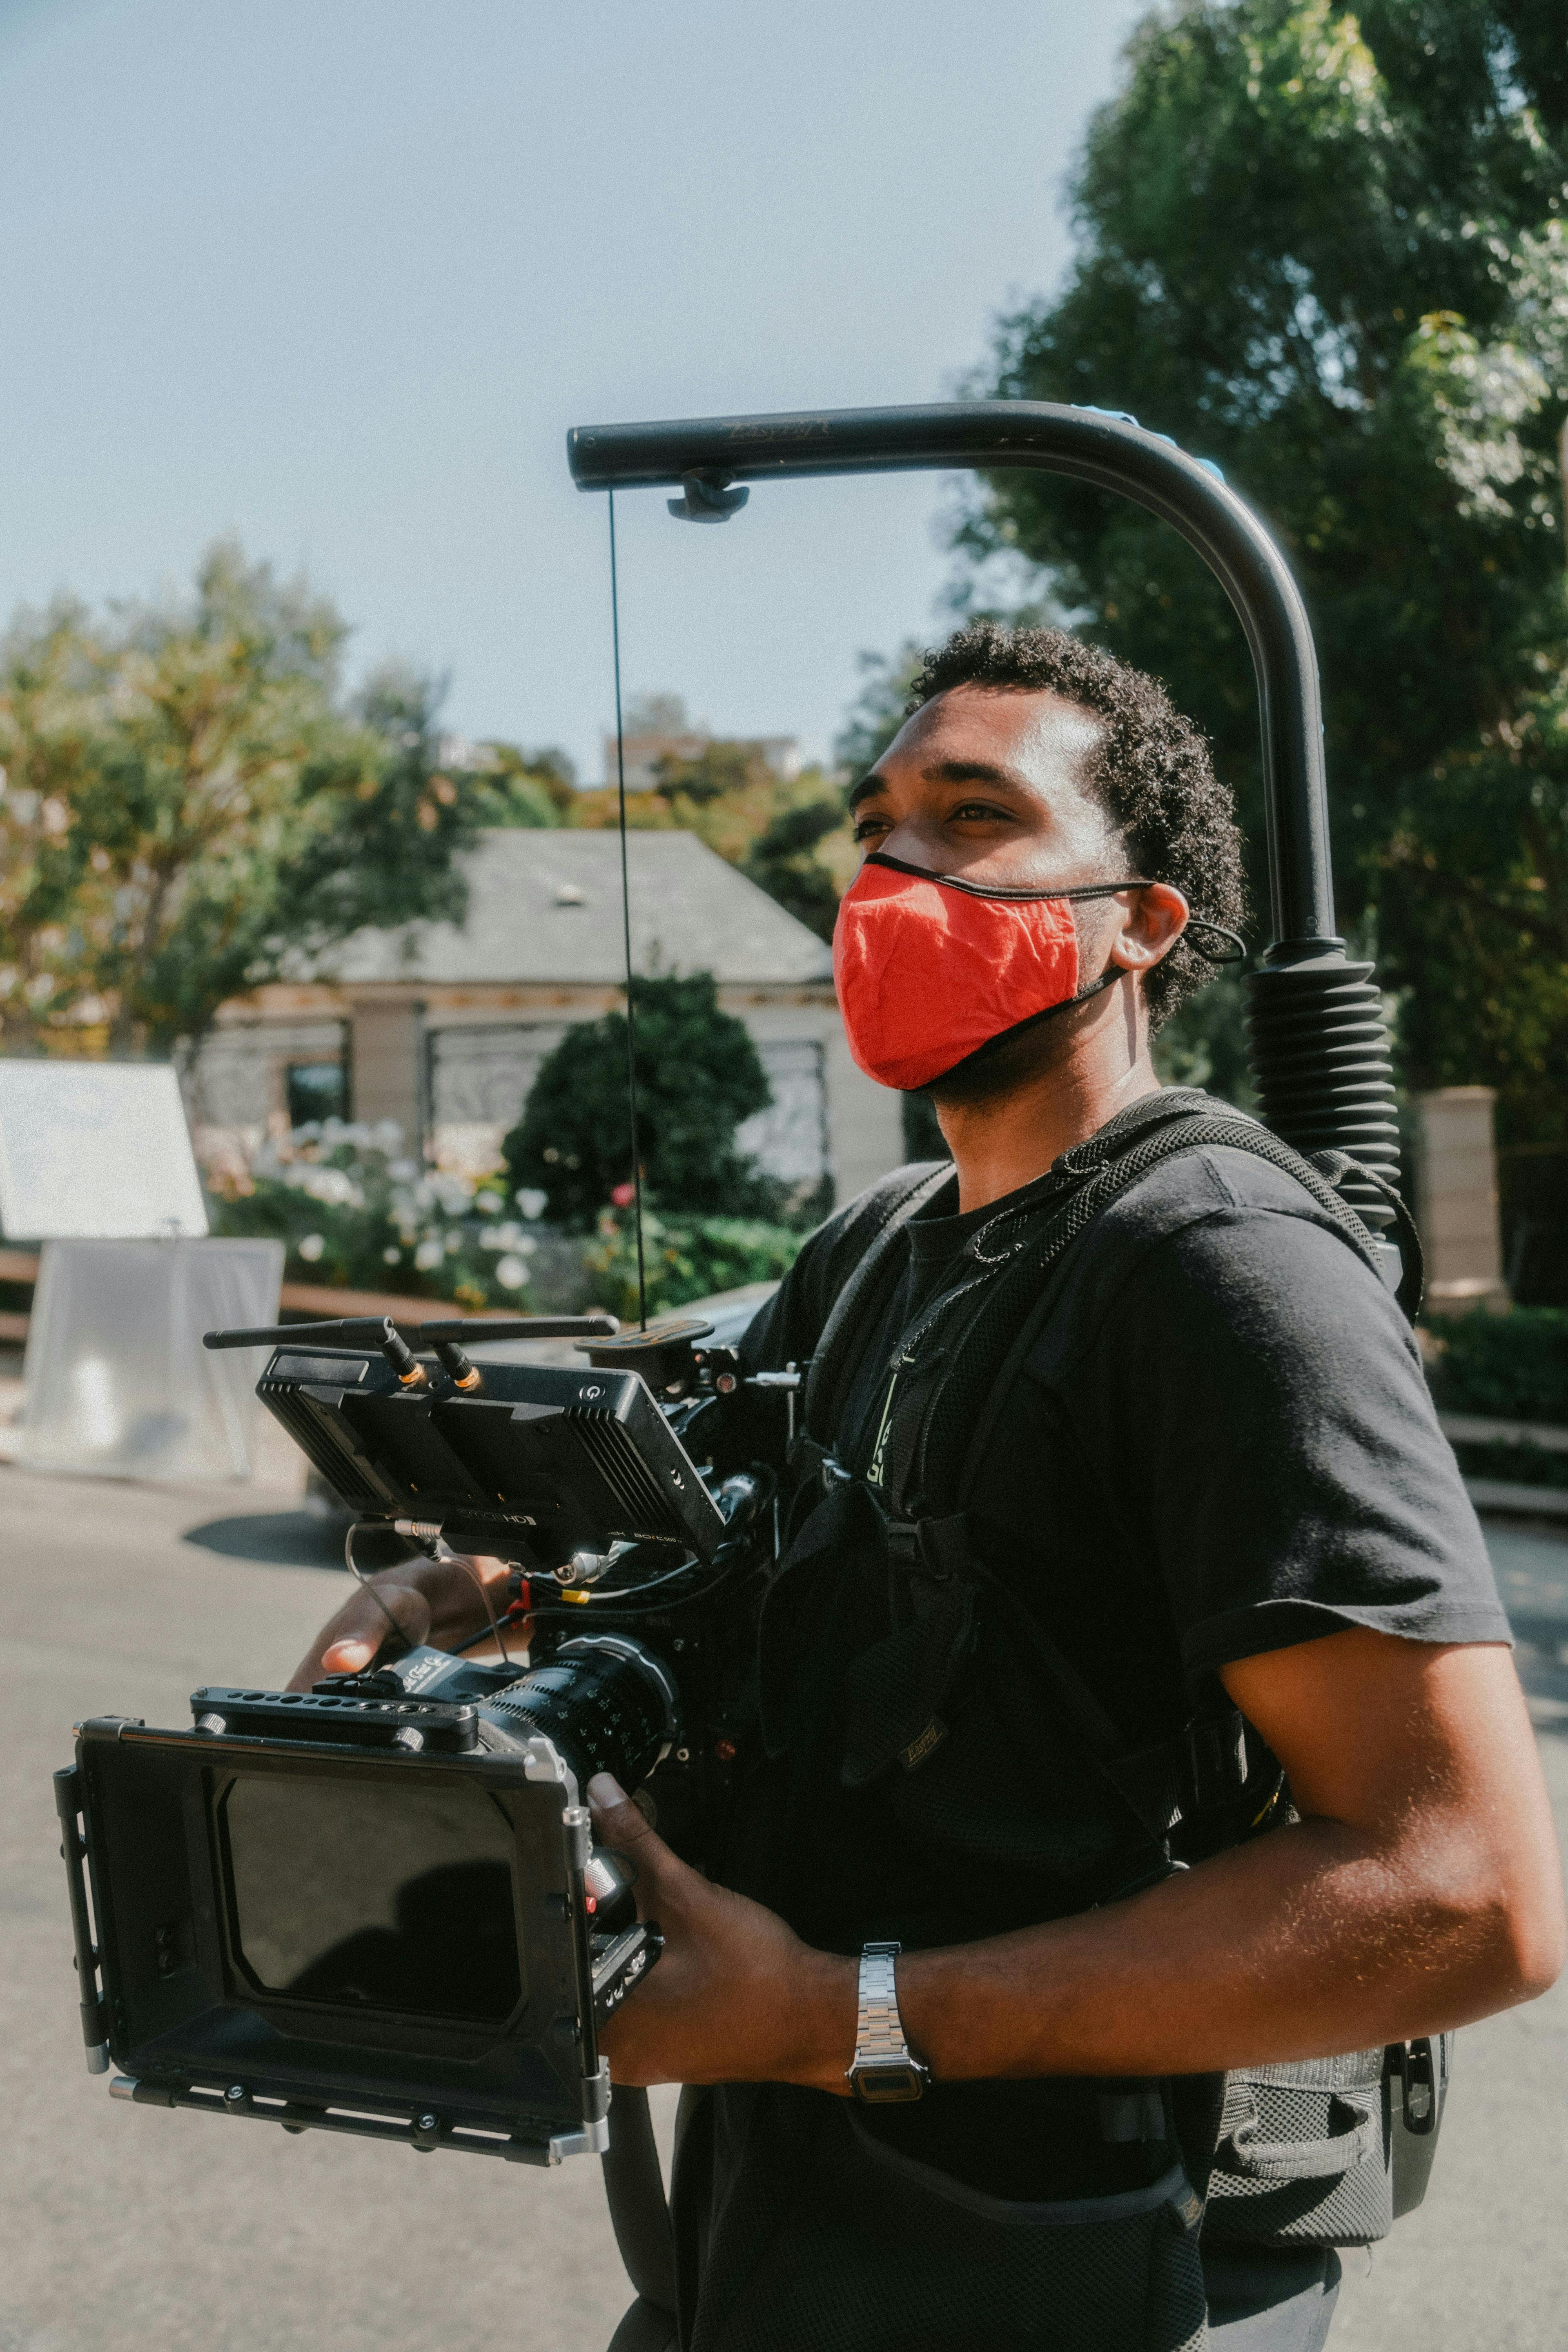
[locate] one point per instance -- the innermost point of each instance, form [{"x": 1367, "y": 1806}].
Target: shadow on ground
[{"x": 275, "y": 1538}]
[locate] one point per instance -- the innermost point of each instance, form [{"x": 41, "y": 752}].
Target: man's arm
[{"x": 1420, "y": 1889}]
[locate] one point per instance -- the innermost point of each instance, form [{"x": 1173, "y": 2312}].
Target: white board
[{"x": 96, "y": 1151}]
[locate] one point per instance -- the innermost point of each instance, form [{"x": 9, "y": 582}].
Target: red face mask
[{"x": 930, "y": 967}]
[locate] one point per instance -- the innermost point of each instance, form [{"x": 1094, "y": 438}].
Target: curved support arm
[{"x": 1091, "y": 446}]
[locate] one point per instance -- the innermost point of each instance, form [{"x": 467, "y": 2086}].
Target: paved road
[{"x": 152, "y": 2233}]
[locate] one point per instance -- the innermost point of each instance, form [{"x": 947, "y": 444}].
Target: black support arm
[{"x": 1320, "y": 1051}]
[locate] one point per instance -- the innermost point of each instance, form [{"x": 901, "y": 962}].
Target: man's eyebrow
[
  {"x": 974, "y": 771},
  {"x": 944, "y": 772}
]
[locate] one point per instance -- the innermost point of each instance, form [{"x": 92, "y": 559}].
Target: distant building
[
  {"x": 443, "y": 1028},
  {"x": 645, "y": 750}
]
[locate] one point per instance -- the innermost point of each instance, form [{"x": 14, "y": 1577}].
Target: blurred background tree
[
  {"x": 699, "y": 1078},
  {"x": 189, "y": 801},
  {"x": 1329, "y": 250},
  {"x": 788, "y": 833}
]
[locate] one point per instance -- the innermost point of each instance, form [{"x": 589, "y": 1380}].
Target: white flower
[
  {"x": 531, "y": 1203},
  {"x": 486, "y": 1204},
  {"x": 333, "y": 1187},
  {"x": 310, "y": 1249},
  {"x": 428, "y": 1256},
  {"x": 392, "y": 1257},
  {"x": 511, "y": 1273}
]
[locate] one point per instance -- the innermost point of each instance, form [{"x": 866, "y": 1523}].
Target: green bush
[
  {"x": 1511, "y": 1367},
  {"x": 698, "y": 1076},
  {"x": 684, "y": 1258}
]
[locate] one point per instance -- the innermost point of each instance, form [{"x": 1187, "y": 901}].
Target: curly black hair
[{"x": 1152, "y": 771}]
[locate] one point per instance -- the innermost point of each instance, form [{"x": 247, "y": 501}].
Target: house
[{"x": 443, "y": 1026}]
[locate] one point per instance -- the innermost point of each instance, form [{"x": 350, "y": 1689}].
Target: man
[{"x": 1214, "y": 1477}]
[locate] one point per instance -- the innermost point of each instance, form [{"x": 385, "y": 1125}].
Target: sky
[{"x": 338, "y": 275}]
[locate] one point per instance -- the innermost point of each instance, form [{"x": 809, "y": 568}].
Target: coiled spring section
[{"x": 1320, "y": 1055}]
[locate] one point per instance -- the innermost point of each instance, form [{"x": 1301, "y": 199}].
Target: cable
[
  {"x": 447, "y": 1559},
  {"x": 626, "y": 926}
]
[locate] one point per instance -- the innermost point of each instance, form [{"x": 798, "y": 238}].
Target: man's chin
[{"x": 1003, "y": 1066}]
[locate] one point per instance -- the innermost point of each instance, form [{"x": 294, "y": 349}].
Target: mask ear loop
[{"x": 1238, "y": 947}]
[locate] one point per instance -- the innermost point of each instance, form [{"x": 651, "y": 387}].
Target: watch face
[{"x": 887, "y": 2081}]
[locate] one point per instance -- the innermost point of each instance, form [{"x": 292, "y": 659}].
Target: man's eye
[
  {"x": 970, "y": 810},
  {"x": 869, "y": 827}
]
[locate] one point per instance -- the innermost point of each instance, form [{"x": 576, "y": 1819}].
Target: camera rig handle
[{"x": 1318, "y": 1046}]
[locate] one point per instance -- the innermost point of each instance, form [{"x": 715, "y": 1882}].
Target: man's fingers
[
  {"x": 616, "y": 1821},
  {"x": 347, "y": 1657},
  {"x": 360, "y": 1628}
]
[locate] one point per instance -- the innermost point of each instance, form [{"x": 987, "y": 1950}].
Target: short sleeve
[{"x": 1253, "y": 1398}]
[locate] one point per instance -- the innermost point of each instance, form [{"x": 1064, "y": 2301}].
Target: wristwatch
[{"x": 884, "y": 2068}]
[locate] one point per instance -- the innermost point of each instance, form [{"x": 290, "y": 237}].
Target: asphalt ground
[{"x": 161, "y": 2233}]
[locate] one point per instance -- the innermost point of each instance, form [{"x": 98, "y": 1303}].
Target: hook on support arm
[{"x": 707, "y": 498}]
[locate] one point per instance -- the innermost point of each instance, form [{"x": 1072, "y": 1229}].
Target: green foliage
[
  {"x": 684, "y": 1258},
  {"x": 1203, "y": 1043},
  {"x": 512, "y": 786},
  {"x": 876, "y": 715},
  {"x": 352, "y": 1211},
  {"x": 788, "y": 834},
  {"x": 1511, "y": 1367},
  {"x": 699, "y": 1077},
  {"x": 188, "y": 800},
  {"x": 785, "y": 862},
  {"x": 1329, "y": 250}
]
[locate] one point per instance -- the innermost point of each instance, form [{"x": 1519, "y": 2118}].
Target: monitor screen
[{"x": 372, "y": 1891}]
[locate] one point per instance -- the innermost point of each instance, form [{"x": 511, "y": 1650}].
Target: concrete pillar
[
  {"x": 1457, "y": 1180},
  {"x": 865, "y": 1123},
  {"x": 389, "y": 1066}
]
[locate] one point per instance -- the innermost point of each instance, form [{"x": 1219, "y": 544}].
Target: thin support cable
[{"x": 627, "y": 926}]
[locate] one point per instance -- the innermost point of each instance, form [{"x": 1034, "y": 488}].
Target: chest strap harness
[{"x": 935, "y": 1560}]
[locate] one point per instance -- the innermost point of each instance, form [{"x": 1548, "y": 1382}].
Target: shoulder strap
[
  {"x": 1031, "y": 1299},
  {"x": 865, "y": 1292}
]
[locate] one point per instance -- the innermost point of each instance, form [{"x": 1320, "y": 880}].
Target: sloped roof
[{"x": 545, "y": 905}]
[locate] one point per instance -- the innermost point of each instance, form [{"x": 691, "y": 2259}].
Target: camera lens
[{"x": 607, "y": 1703}]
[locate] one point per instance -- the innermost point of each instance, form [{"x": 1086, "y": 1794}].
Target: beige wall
[
  {"x": 1456, "y": 1183},
  {"x": 388, "y": 1064}
]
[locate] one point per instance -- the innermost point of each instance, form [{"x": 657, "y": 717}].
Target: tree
[
  {"x": 698, "y": 1076},
  {"x": 877, "y": 713},
  {"x": 1329, "y": 251},
  {"x": 515, "y": 787},
  {"x": 789, "y": 834},
  {"x": 188, "y": 801}
]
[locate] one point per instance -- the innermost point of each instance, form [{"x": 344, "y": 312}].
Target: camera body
[{"x": 375, "y": 1907}]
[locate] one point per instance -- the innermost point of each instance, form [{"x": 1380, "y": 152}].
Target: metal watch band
[{"x": 884, "y": 2067}]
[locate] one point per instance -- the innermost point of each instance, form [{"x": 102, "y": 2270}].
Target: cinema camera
[{"x": 375, "y": 1907}]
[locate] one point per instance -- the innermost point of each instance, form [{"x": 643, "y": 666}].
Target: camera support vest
[{"x": 1325, "y": 2152}]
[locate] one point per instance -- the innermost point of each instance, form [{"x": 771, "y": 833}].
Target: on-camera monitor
[{"x": 370, "y": 1891}]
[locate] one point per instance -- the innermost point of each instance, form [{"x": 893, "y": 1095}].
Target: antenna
[{"x": 627, "y": 926}]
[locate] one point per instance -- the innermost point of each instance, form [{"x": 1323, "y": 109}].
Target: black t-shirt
[{"x": 1222, "y": 1444}]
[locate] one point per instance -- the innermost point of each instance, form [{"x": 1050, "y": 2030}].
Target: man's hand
[
  {"x": 736, "y": 1996},
  {"x": 433, "y": 1600}
]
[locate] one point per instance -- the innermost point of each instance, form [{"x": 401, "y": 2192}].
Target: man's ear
[{"x": 1149, "y": 928}]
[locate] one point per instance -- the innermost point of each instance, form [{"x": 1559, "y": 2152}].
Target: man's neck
[{"x": 1002, "y": 1141}]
